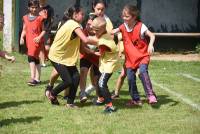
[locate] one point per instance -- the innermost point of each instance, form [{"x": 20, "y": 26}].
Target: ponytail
[{"x": 68, "y": 14}]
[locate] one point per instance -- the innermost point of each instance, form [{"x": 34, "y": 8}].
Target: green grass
[{"x": 24, "y": 109}]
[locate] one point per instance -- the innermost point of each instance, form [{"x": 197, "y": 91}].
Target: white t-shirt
[{"x": 142, "y": 32}]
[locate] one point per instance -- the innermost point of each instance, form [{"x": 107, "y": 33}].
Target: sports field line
[
  {"x": 178, "y": 95},
  {"x": 190, "y": 77}
]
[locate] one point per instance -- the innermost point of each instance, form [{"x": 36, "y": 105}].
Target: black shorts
[
  {"x": 85, "y": 63},
  {"x": 33, "y": 59}
]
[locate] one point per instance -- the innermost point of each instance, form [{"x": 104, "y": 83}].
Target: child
[
  {"x": 33, "y": 30},
  {"x": 44, "y": 7},
  {"x": 108, "y": 57},
  {"x": 89, "y": 63},
  {"x": 64, "y": 54},
  {"x": 137, "y": 53}
]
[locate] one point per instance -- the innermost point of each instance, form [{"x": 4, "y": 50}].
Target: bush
[{"x": 198, "y": 48}]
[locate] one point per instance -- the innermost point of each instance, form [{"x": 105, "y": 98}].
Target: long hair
[
  {"x": 68, "y": 14},
  {"x": 95, "y": 2}
]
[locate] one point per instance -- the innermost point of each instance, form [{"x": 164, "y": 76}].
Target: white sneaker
[{"x": 89, "y": 89}]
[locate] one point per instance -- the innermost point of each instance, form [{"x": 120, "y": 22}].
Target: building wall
[{"x": 158, "y": 15}]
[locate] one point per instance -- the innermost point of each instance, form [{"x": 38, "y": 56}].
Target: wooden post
[
  {"x": 16, "y": 24},
  {"x": 7, "y": 30}
]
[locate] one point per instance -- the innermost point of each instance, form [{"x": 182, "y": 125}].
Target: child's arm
[
  {"x": 38, "y": 39},
  {"x": 23, "y": 34},
  {"x": 151, "y": 42},
  {"x": 115, "y": 31},
  {"x": 84, "y": 38}
]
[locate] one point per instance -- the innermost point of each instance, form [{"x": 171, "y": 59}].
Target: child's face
[
  {"x": 99, "y": 32},
  {"x": 79, "y": 16},
  {"x": 127, "y": 17},
  {"x": 99, "y": 9},
  {"x": 33, "y": 10}
]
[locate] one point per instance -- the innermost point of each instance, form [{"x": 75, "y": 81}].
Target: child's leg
[
  {"x": 120, "y": 81},
  {"x": 64, "y": 73},
  {"x": 42, "y": 56},
  {"x": 54, "y": 76},
  {"x": 132, "y": 84},
  {"x": 103, "y": 80},
  {"x": 75, "y": 83},
  {"x": 32, "y": 69},
  {"x": 38, "y": 70},
  {"x": 32, "y": 66},
  {"x": 145, "y": 79},
  {"x": 146, "y": 82}
]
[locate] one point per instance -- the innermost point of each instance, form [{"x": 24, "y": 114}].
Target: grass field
[{"x": 25, "y": 110}]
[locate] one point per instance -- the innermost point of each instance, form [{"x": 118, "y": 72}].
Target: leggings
[
  {"x": 103, "y": 87},
  {"x": 70, "y": 78}
]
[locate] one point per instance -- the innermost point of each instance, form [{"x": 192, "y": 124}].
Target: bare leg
[{"x": 37, "y": 72}]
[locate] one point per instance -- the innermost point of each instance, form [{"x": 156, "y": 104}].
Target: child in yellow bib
[{"x": 108, "y": 53}]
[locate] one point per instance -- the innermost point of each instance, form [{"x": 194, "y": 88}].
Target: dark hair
[
  {"x": 132, "y": 10},
  {"x": 33, "y": 3},
  {"x": 68, "y": 14},
  {"x": 95, "y": 2}
]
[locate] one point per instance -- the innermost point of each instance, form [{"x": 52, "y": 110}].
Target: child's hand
[
  {"x": 21, "y": 41},
  {"x": 10, "y": 58},
  {"x": 120, "y": 54},
  {"x": 43, "y": 13},
  {"x": 150, "y": 49},
  {"x": 97, "y": 53},
  {"x": 37, "y": 40}
]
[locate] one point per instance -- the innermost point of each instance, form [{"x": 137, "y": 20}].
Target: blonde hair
[{"x": 99, "y": 23}]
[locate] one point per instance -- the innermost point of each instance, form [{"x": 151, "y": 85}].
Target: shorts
[
  {"x": 85, "y": 63},
  {"x": 33, "y": 59}
]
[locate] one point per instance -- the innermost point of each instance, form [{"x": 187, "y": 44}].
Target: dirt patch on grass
[{"x": 176, "y": 57}]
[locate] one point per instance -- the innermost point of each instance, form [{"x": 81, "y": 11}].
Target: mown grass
[{"x": 25, "y": 109}]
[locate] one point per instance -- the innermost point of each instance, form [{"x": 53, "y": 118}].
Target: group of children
[{"x": 99, "y": 53}]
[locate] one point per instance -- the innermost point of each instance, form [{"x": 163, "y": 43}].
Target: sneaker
[
  {"x": 48, "y": 88},
  {"x": 98, "y": 102},
  {"x": 43, "y": 65},
  {"x": 89, "y": 89},
  {"x": 83, "y": 97},
  {"x": 134, "y": 103},
  {"x": 109, "y": 109},
  {"x": 114, "y": 96},
  {"x": 152, "y": 99},
  {"x": 52, "y": 98},
  {"x": 71, "y": 106}
]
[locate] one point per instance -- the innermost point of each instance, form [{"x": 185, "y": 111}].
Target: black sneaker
[
  {"x": 109, "y": 109},
  {"x": 52, "y": 98},
  {"x": 33, "y": 82}
]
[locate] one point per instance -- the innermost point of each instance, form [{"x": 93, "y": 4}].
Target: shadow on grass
[
  {"x": 7, "y": 122},
  {"x": 17, "y": 103},
  {"x": 162, "y": 100}
]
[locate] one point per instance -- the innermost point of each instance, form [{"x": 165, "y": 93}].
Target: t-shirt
[
  {"x": 66, "y": 45},
  {"x": 107, "y": 61}
]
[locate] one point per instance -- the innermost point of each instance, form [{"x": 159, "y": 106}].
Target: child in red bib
[
  {"x": 33, "y": 31},
  {"x": 137, "y": 52}
]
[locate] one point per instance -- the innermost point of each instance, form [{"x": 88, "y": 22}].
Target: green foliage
[
  {"x": 1, "y": 6},
  {"x": 198, "y": 48},
  {"x": 25, "y": 109}
]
